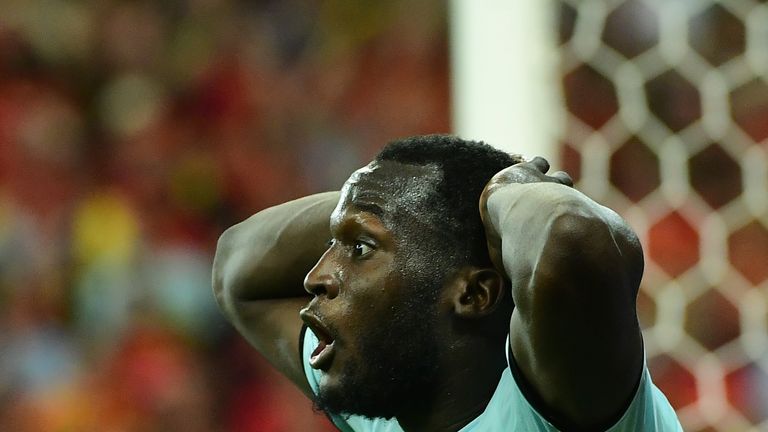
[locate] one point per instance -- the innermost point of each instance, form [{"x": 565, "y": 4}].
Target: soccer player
[{"x": 453, "y": 287}]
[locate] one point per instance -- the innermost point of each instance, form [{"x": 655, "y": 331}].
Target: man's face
[{"x": 376, "y": 290}]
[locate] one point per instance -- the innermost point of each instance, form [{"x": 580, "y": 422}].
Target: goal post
[{"x": 504, "y": 62}]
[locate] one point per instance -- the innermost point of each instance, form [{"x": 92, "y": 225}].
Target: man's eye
[{"x": 362, "y": 249}]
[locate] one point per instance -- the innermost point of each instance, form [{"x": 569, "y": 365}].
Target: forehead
[{"x": 387, "y": 188}]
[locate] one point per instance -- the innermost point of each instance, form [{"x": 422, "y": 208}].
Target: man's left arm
[{"x": 574, "y": 268}]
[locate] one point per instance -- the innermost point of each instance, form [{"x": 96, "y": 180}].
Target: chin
[
  {"x": 347, "y": 394},
  {"x": 333, "y": 400}
]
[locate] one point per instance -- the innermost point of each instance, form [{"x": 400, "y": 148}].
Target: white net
[{"x": 668, "y": 123}]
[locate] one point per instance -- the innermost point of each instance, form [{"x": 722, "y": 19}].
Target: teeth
[
  {"x": 322, "y": 356},
  {"x": 320, "y": 347}
]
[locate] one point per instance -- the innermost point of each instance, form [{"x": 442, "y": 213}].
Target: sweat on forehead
[{"x": 392, "y": 185}]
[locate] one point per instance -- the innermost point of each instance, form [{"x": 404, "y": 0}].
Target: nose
[{"x": 321, "y": 280}]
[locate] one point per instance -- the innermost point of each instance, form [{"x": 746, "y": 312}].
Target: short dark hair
[{"x": 466, "y": 167}]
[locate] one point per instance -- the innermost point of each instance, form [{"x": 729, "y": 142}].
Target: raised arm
[
  {"x": 258, "y": 275},
  {"x": 575, "y": 268}
]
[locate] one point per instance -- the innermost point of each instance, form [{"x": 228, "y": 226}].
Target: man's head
[
  {"x": 464, "y": 169},
  {"x": 408, "y": 248}
]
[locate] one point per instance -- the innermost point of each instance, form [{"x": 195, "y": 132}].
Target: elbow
[
  {"x": 232, "y": 262},
  {"x": 219, "y": 282},
  {"x": 243, "y": 263},
  {"x": 229, "y": 276},
  {"x": 575, "y": 227},
  {"x": 597, "y": 247},
  {"x": 591, "y": 231}
]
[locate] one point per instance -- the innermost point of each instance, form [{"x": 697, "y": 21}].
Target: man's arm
[
  {"x": 575, "y": 268},
  {"x": 258, "y": 276}
]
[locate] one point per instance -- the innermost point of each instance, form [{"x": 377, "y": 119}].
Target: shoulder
[{"x": 515, "y": 406}]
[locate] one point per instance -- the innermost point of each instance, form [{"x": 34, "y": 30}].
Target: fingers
[
  {"x": 540, "y": 163},
  {"x": 563, "y": 178}
]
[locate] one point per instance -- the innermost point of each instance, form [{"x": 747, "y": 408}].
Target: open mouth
[{"x": 322, "y": 356}]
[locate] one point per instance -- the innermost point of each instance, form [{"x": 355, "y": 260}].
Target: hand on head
[{"x": 532, "y": 171}]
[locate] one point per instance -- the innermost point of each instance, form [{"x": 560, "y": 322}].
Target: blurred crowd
[{"x": 132, "y": 133}]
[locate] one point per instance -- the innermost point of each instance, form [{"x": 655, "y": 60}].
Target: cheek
[
  {"x": 364, "y": 300},
  {"x": 368, "y": 300}
]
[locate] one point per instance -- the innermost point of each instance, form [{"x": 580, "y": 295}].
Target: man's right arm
[{"x": 258, "y": 276}]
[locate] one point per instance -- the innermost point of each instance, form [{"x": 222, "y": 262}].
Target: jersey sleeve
[
  {"x": 351, "y": 423},
  {"x": 648, "y": 411}
]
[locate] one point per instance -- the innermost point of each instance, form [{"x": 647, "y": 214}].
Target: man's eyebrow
[{"x": 369, "y": 207}]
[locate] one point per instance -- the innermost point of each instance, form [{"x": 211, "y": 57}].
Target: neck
[{"x": 461, "y": 394}]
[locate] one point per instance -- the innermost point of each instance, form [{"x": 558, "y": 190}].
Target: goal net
[{"x": 667, "y": 123}]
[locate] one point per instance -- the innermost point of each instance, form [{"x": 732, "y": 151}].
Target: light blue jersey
[{"x": 508, "y": 410}]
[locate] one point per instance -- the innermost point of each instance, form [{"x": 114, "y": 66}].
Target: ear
[{"x": 477, "y": 292}]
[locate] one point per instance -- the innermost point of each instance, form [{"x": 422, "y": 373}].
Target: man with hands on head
[{"x": 452, "y": 287}]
